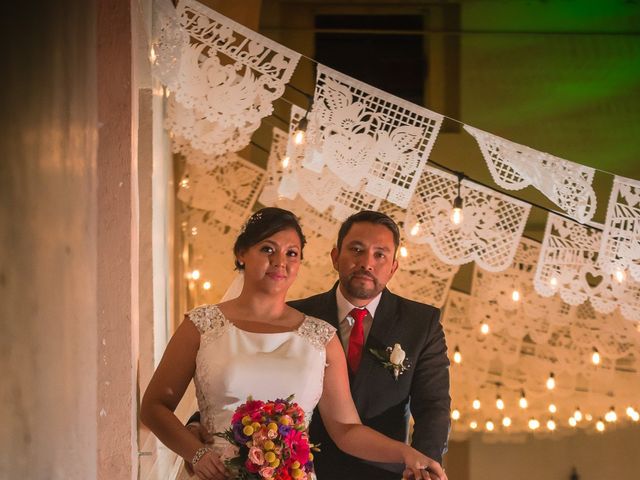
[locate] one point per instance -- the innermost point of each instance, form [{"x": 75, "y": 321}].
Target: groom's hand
[
  {"x": 433, "y": 472},
  {"x": 195, "y": 429}
]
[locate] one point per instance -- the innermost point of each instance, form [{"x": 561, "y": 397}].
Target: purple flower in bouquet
[{"x": 272, "y": 441}]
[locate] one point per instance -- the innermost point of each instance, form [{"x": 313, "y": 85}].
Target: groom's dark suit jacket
[{"x": 383, "y": 403}]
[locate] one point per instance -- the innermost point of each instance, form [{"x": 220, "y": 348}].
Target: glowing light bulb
[
  {"x": 588, "y": 417},
  {"x": 635, "y": 417},
  {"x": 455, "y": 414},
  {"x": 523, "y": 401},
  {"x": 152, "y": 55},
  {"x": 620, "y": 275},
  {"x": 476, "y": 404},
  {"x": 551, "y": 425},
  {"x": 489, "y": 426},
  {"x": 506, "y": 422},
  {"x": 577, "y": 415},
  {"x": 515, "y": 296},
  {"x": 415, "y": 229},
  {"x": 611, "y": 415},
  {"x": 595, "y": 356},
  {"x": 194, "y": 231},
  {"x": 551, "y": 381},
  {"x": 534, "y": 424},
  {"x": 299, "y": 137},
  {"x": 184, "y": 183},
  {"x": 206, "y": 285},
  {"x": 285, "y": 162},
  {"x": 456, "y": 216},
  {"x": 630, "y": 411},
  {"x": 553, "y": 281},
  {"x": 484, "y": 328},
  {"x": 195, "y": 274},
  {"x": 404, "y": 252},
  {"x": 572, "y": 421},
  {"x": 499, "y": 403},
  {"x": 600, "y": 426},
  {"x": 457, "y": 356},
  {"x": 473, "y": 425},
  {"x": 553, "y": 408}
]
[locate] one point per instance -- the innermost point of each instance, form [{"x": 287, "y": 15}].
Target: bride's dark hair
[{"x": 264, "y": 223}]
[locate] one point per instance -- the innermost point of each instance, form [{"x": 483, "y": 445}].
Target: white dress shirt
[{"x": 346, "y": 321}]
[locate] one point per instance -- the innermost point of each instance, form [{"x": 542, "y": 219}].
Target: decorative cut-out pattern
[
  {"x": 491, "y": 229},
  {"x": 211, "y": 249},
  {"x": 507, "y": 362},
  {"x": 351, "y": 201},
  {"x": 515, "y": 166},
  {"x": 621, "y": 237},
  {"x": 321, "y": 223},
  {"x": 295, "y": 156},
  {"x": 568, "y": 265},
  {"x": 196, "y": 133},
  {"x": 229, "y": 73},
  {"x": 422, "y": 277},
  {"x": 322, "y": 190},
  {"x": 523, "y": 311},
  {"x": 169, "y": 39},
  {"x": 275, "y": 167},
  {"x": 368, "y": 137},
  {"x": 228, "y": 192},
  {"x": 196, "y": 157}
]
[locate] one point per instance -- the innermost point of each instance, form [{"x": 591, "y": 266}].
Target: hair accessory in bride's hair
[
  {"x": 263, "y": 224},
  {"x": 252, "y": 219}
]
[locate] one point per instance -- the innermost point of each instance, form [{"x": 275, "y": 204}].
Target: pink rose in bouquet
[{"x": 272, "y": 441}]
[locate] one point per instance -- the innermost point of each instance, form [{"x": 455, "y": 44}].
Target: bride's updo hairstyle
[{"x": 262, "y": 224}]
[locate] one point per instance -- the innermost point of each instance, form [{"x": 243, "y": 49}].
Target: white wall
[{"x": 48, "y": 190}]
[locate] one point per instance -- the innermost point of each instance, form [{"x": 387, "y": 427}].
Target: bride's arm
[
  {"x": 166, "y": 389},
  {"x": 343, "y": 424}
]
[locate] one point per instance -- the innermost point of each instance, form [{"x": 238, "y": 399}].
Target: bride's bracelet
[{"x": 199, "y": 454}]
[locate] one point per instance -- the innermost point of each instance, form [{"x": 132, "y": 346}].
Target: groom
[{"x": 371, "y": 318}]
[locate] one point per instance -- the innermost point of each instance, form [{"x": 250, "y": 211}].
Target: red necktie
[{"x": 356, "y": 339}]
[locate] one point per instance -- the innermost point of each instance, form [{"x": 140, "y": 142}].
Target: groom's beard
[{"x": 356, "y": 289}]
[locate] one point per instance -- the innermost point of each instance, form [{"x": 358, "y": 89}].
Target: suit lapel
[
  {"x": 379, "y": 335},
  {"x": 331, "y": 309}
]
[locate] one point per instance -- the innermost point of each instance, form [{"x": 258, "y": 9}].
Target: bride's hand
[
  {"x": 210, "y": 467},
  {"x": 420, "y": 466}
]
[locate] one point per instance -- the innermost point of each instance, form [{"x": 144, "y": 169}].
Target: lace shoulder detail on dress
[
  {"x": 207, "y": 318},
  {"x": 316, "y": 331}
]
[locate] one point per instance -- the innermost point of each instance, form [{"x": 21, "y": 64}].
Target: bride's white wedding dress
[{"x": 233, "y": 364}]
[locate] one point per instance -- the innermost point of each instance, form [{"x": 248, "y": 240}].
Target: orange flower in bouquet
[{"x": 272, "y": 441}]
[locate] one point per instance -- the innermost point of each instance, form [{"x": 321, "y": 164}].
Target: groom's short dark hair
[{"x": 371, "y": 217}]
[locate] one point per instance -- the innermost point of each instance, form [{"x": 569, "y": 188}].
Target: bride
[{"x": 256, "y": 345}]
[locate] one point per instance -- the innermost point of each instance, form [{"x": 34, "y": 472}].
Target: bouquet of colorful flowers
[{"x": 272, "y": 441}]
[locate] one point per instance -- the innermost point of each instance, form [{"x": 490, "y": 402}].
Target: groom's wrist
[{"x": 194, "y": 429}]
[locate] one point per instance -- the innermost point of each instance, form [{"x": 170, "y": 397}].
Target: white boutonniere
[{"x": 393, "y": 359}]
